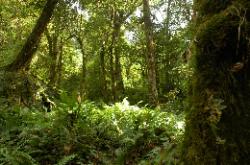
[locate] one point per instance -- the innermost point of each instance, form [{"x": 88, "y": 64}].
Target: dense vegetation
[
  {"x": 133, "y": 82},
  {"x": 89, "y": 134}
]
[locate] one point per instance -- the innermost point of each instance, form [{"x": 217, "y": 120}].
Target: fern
[
  {"x": 66, "y": 159},
  {"x": 15, "y": 157},
  {"x": 119, "y": 134}
]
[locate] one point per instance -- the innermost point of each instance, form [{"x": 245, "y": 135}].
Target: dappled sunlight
[
  {"x": 124, "y": 82},
  {"x": 85, "y": 131}
]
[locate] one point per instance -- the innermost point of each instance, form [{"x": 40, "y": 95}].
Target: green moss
[
  {"x": 206, "y": 7},
  {"x": 219, "y": 102}
]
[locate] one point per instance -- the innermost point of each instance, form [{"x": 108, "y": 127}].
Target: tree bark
[
  {"x": 218, "y": 120},
  {"x": 24, "y": 57},
  {"x": 54, "y": 57},
  {"x": 168, "y": 18},
  {"x": 103, "y": 80},
  {"x": 59, "y": 65},
  {"x": 117, "y": 86},
  {"x": 83, "y": 77},
  {"x": 111, "y": 68},
  {"x": 150, "y": 55}
]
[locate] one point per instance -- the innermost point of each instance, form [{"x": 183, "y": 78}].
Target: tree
[
  {"x": 55, "y": 56},
  {"x": 104, "y": 31},
  {"x": 83, "y": 77},
  {"x": 218, "y": 124},
  {"x": 151, "y": 59},
  {"x": 118, "y": 18},
  {"x": 24, "y": 57}
]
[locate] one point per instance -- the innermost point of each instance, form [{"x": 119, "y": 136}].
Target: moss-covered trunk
[
  {"x": 150, "y": 54},
  {"x": 218, "y": 121},
  {"x": 25, "y": 55},
  {"x": 54, "y": 54}
]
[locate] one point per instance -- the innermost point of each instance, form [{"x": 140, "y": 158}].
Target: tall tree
[
  {"x": 54, "y": 54},
  {"x": 151, "y": 59},
  {"x": 78, "y": 33},
  {"x": 103, "y": 80},
  {"x": 118, "y": 18},
  {"x": 25, "y": 55},
  {"x": 117, "y": 86},
  {"x": 83, "y": 77},
  {"x": 218, "y": 121}
]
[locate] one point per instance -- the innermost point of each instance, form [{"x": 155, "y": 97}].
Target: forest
[{"x": 124, "y": 82}]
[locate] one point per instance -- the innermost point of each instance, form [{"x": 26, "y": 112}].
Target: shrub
[{"x": 86, "y": 133}]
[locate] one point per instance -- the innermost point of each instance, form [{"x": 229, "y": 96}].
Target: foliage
[
  {"x": 87, "y": 133},
  {"x": 93, "y": 50},
  {"x": 80, "y": 31}
]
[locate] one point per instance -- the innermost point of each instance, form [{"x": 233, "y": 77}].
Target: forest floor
[{"x": 89, "y": 133}]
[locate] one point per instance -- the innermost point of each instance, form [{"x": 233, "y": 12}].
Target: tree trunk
[
  {"x": 218, "y": 121},
  {"x": 118, "y": 76},
  {"x": 112, "y": 70},
  {"x": 103, "y": 81},
  {"x": 24, "y": 57},
  {"x": 151, "y": 59},
  {"x": 119, "y": 86},
  {"x": 54, "y": 56},
  {"x": 118, "y": 17},
  {"x": 83, "y": 77},
  {"x": 59, "y": 65},
  {"x": 168, "y": 18},
  {"x": 115, "y": 67}
]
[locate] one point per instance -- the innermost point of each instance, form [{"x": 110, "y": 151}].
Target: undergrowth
[{"x": 89, "y": 134}]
